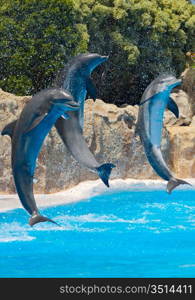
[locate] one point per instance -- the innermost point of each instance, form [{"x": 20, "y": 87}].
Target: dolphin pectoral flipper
[
  {"x": 104, "y": 172},
  {"x": 91, "y": 89},
  {"x": 173, "y": 183},
  {"x": 37, "y": 218},
  {"x": 172, "y": 106},
  {"x": 9, "y": 129}
]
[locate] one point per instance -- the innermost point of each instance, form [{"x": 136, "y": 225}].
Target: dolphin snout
[
  {"x": 72, "y": 104},
  {"x": 177, "y": 83},
  {"x": 67, "y": 105},
  {"x": 104, "y": 58}
]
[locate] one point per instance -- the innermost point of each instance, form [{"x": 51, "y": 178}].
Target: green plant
[
  {"x": 142, "y": 37},
  {"x": 37, "y": 37}
]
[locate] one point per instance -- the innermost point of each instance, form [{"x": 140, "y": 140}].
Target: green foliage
[
  {"x": 37, "y": 37},
  {"x": 142, "y": 38}
]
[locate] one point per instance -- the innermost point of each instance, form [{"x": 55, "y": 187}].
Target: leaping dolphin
[
  {"x": 27, "y": 134},
  {"x": 156, "y": 98},
  {"x": 78, "y": 82}
]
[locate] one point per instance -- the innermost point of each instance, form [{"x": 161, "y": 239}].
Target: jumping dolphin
[
  {"x": 156, "y": 98},
  {"x": 27, "y": 134},
  {"x": 78, "y": 82}
]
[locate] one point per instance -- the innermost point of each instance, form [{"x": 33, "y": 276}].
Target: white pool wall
[{"x": 89, "y": 189}]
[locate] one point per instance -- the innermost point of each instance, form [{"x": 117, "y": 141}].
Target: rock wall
[
  {"x": 182, "y": 151},
  {"x": 189, "y": 86},
  {"x": 109, "y": 132}
]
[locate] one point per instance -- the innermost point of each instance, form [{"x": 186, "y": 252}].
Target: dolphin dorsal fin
[
  {"x": 172, "y": 106},
  {"x": 9, "y": 129},
  {"x": 91, "y": 89}
]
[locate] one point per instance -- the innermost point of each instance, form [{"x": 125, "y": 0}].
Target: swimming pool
[{"x": 123, "y": 234}]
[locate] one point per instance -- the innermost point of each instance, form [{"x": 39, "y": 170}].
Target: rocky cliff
[{"x": 109, "y": 132}]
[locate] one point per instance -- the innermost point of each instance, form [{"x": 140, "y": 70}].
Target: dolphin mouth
[
  {"x": 72, "y": 105},
  {"x": 104, "y": 58},
  {"x": 176, "y": 83},
  {"x": 68, "y": 106}
]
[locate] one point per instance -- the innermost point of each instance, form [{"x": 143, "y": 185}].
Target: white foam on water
[
  {"x": 179, "y": 227},
  {"x": 11, "y": 232},
  {"x": 77, "y": 223},
  {"x": 187, "y": 266},
  {"x": 69, "y": 227},
  {"x": 189, "y": 207},
  {"x": 14, "y": 239},
  {"x": 95, "y": 218},
  {"x": 167, "y": 228},
  {"x": 68, "y": 223},
  {"x": 83, "y": 191},
  {"x": 156, "y": 205}
]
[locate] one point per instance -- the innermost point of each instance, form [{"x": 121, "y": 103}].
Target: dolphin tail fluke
[
  {"x": 104, "y": 172},
  {"x": 37, "y": 218},
  {"x": 173, "y": 183}
]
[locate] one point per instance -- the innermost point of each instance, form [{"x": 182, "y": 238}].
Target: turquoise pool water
[{"x": 125, "y": 234}]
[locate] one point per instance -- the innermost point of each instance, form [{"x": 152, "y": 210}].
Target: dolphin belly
[
  {"x": 24, "y": 187},
  {"x": 157, "y": 106},
  {"x": 35, "y": 137},
  {"x": 79, "y": 93},
  {"x": 71, "y": 134},
  {"x": 156, "y": 160},
  {"x": 81, "y": 114},
  {"x": 151, "y": 132}
]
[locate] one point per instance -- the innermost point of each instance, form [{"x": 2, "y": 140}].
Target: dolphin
[
  {"x": 27, "y": 134},
  {"x": 78, "y": 82},
  {"x": 156, "y": 98}
]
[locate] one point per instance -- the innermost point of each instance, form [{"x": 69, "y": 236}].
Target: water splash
[{"x": 11, "y": 232}]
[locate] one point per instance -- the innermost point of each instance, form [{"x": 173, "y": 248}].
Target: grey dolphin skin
[
  {"x": 27, "y": 134},
  {"x": 155, "y": 100},
  {"x": 78, "y": 82}
]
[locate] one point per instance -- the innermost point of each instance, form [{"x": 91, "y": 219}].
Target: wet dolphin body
[
  {"x": 28, "y": 134},
  {"x": 78, "y": 82},
  {"x": 155, "y": 100}
]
